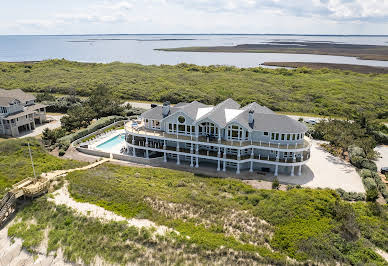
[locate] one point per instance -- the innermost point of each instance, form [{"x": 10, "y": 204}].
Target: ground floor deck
[{"x": 222, "y": 158}]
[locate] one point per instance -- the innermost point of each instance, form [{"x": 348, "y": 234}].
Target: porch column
[
  {"x": 218, "y": 165},
  {"x": 300, "y": 170},
  {"x": 276, "y": 170},
  {"x": 146, "y": 144},
  {"x": 178, "y": 162},
  {"x": 191, "y": 161},
  {"x": 238, "y": 154},
  {"x": 224, "y": 165},
  {"x": 164, "y": 154},
  {"x": 238, "y": 168},
  {"x": 292, "y": 170},
  {"x": 196, "y": 162},
  {"x": 219, "y": 135},
  {"x": 133, "y": 148},
  {"x": 252, "y": 156},
  {"x": 196, "y": 132}
]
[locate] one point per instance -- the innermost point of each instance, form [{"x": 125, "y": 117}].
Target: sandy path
[{"x": 62, "y": 196}]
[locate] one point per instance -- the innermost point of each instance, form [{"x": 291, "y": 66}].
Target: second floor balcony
[{"x": 141, "y": 131}]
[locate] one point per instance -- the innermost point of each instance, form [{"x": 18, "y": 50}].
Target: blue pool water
[{"x": 113, "y": 144}]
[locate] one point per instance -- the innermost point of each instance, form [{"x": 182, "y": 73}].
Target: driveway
[
  {"x": 383, "y": 159},
  {"x": 326, "y": 171},
  {"x": 142, "y": 105},
  {"x": 54, "y": 123}
]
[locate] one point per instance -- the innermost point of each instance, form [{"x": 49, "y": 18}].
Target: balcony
[
  {"x": 141, "y": 131},
  {"x": 214, "y": 154}
]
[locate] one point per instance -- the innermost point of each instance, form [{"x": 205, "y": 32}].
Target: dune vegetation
[
  {"x": 302, "y": 90},
  {"x": 226, "y": 218},
  {"x": 15, "y": 163}
]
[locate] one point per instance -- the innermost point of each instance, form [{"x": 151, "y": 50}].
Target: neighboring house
[
  {"x": 251, "y": 138},
  {"x": 19, "y": 112}
]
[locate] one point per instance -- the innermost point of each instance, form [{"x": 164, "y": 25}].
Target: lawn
[
  {"x": 226, "y": 217},
  {"x": 321, "y": 92},
  {"x": 15, "y": 163}
]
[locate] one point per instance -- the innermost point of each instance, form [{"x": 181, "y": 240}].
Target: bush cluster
[
  {"x": 373, "y": 182},
  {"x": 350, "y": 196},
  {"x": 60, "y": 104}
]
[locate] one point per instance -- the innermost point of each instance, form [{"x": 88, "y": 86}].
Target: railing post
[{"x": 276, "y": 170}]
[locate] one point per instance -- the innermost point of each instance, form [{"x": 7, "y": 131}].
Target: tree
[
  {"x": 103, "y": 102},
  {"x": 77, "y": 117},
  {"x": 50, "y": 137}
]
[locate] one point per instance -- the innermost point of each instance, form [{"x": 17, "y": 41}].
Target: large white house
[
  {"x": 19, "y": 112},
  {"x": 251, "y": 138}
]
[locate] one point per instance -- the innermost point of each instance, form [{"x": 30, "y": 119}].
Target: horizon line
[{"x": 258, "y": 34}]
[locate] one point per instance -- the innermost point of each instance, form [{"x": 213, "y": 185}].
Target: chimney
[
  {"x": 166, "y": 109},
  {"x": 250, "y": 117}
]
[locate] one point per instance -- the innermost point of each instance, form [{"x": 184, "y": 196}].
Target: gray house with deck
[
  {"x": 19, "y": 112},
  {"x": 228, "y": 136}
]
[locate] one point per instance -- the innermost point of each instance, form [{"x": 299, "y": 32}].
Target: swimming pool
[{"x": 113, "y": 145}]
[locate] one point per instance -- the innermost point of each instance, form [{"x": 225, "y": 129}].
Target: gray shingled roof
[
  {"x": 270, "y": 122},
  {"x": 19, "y": 114},
  {"x": 264, "y": 118},
  {"x": 35, "y": 107},
  {"x": 218, "y": 113},
  {"x": 5, "y": 101},
  {"x": 258, "y": 108},
  {"x": 180, "y": 104},
  {"x": 191, "y": 109},
  {"x": 17, "y": 94},
  {"x": 156, "y": 112}
]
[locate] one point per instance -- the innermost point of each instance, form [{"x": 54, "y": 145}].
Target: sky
[{"x": 193, "y": 16}]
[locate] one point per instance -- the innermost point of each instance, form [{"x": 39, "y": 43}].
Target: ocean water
[{"x": 140, "y": 49}]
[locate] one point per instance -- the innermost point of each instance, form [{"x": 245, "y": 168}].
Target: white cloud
[
  {"x": 330, "y": 9},
  {"x": 200, "y": 16}
]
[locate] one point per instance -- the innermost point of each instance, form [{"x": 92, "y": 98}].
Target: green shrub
[
  {"x": 61, "y": 152},
  {"x": 368, "y": 164},
  {"x": 356, "y": 161},
  {"x": 350, "y": 196},
  {"x": 356, "y": 151},
  {"x": 372, "y": 194},
  {"x": 381, "y": 137},
  {"x": 275, "y": 184},
  {"x": 370, "y": 183},
  {"x": 366, "y": 173},
  {"x": 289, "y": 187}
]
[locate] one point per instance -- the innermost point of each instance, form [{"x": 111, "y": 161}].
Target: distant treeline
[{"x": 323, "y": 92}]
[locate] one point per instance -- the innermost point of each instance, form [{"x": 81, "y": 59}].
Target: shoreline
[
  {"x": 364, "y": 69},
  {"x": 360, "y": 51}
]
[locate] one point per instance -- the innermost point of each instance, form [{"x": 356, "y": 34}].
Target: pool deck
[{"x": 115, "y": 149}]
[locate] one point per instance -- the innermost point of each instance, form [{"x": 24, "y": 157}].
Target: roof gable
[{"x": 17, "y": 94}]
